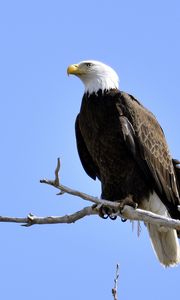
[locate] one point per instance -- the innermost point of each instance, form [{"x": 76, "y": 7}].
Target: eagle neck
[{"x": 101, "y": 92}]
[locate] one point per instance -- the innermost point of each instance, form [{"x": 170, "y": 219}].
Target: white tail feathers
[
  {"x": 165, "y": 244},
  {"x": 164, "y": 241}
]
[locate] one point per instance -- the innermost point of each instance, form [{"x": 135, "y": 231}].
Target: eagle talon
[
  {"x": 101, "y": 211},
  {"x": 123, "y": 220},
  {"x": 127, "y": 201},
  {"x": 106, "y": 212},
  {"x": 113, "y": 217},
  {"x": 104, "y": 216}
]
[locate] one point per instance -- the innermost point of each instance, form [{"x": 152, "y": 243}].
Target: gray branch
[
  {"x": 32, "y": 219},
  {"x": 127, "y": 212}
]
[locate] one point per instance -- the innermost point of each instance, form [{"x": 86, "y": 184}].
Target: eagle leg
[{"x": 127, "y": 201}]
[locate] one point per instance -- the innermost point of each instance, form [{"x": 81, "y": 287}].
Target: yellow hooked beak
[{"x": 74, "y": 70}]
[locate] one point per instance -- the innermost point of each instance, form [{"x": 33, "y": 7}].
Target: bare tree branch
[
  {"x": 32, "y": 219},
  {"x": 127, "y": 212},
  {"x": 115, "y": 288}
]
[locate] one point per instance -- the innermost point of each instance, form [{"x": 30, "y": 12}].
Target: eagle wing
[
  {"x": 146, "y": 141},
  {"x": 85, "y": 157}
]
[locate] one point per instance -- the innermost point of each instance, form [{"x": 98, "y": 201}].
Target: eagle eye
[{"x": 88, "y": 64}]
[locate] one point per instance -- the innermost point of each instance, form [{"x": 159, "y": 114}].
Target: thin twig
[
  {"x": 57, "y": 171},
  {"x": 115, "y": 288}
]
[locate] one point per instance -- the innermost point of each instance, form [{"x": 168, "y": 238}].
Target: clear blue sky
[{"x": 39, "y": 103}]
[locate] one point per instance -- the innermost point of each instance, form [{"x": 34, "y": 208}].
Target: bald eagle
[{"x": 121, "y": 143}]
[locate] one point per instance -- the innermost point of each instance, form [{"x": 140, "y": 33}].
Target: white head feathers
[{"x": 95, "y": 75}]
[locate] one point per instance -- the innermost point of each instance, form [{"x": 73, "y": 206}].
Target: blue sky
[{"x": 39, "y": 103}]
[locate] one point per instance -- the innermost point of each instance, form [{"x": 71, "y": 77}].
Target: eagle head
[{"x": 95, "y": 75}]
